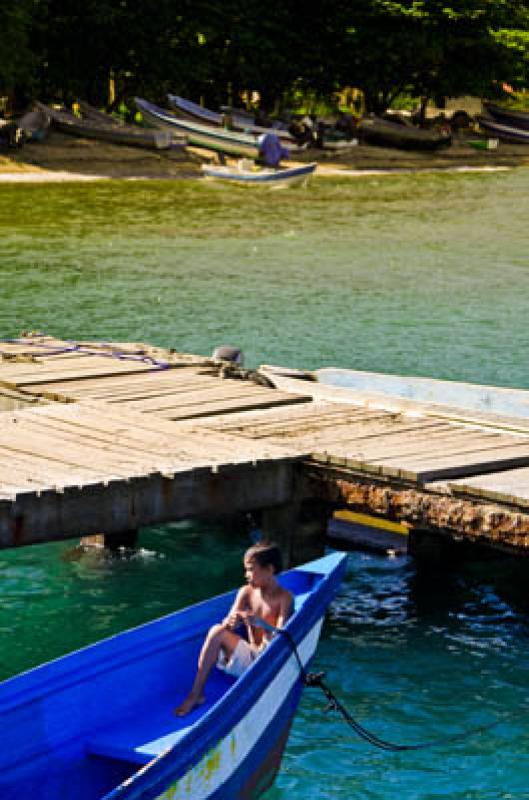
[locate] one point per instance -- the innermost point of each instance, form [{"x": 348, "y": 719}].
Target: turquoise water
[{"x": 424, "y": 275}]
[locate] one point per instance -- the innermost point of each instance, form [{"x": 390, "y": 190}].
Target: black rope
[{"x": 315, "y": 680}]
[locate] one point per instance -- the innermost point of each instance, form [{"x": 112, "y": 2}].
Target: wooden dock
[{"x": 107, "y": 438}]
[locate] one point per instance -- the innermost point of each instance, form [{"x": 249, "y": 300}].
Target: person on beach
[
  {"x": 262, "y": 597},
  {"x": 271, "y": 151}
]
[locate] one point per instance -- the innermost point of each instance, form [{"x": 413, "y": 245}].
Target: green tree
[
  {"x": 431, "y": 48},
  {"x": 16, "y": 61}
]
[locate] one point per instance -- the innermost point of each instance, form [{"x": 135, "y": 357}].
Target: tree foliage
[{"x": 210, "y": 50}]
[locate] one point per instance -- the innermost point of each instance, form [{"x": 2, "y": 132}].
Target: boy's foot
[{"x": 189, "y": 704}]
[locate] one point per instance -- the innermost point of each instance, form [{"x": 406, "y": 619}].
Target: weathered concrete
[
  {"x": 299, "y": 527},
  {"x": 496, "y": 526},
  {"x": 127, "y": 505}
]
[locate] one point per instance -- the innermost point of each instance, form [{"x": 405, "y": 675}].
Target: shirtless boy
[{"x": 261, "y": 597}]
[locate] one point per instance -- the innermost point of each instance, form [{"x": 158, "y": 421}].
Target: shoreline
[
  {"x": 48, "y": 176},
  {"x": 63, "y": 158}
]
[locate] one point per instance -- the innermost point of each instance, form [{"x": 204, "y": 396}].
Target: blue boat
[
  {"x": 272, "y": 178},
  {"x": 98, "y": 724}
]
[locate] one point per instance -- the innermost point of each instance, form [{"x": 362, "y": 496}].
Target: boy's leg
[{"x": 218, "y": 637}]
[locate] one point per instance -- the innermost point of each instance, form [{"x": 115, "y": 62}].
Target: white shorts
[{"x": 242, "y": 657}]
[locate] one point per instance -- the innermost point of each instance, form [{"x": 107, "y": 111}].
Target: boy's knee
[{"x": 216, "y": 630}]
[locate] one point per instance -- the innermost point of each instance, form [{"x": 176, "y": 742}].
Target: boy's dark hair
[{"x": 266, "y": 554}]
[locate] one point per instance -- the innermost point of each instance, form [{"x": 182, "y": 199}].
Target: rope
[
  {"x": 74, "y": 347},
  {"x": 315, "y": 680}
]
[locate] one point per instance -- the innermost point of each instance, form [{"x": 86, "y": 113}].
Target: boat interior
[{"x": 77, "y": 727}]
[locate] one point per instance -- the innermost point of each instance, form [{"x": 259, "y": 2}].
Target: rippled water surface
[{"x": 424, "y": 275}]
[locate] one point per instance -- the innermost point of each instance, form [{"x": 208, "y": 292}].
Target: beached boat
[
  {"x": 35, "y": 124},
  {"x": 378, "y": 131},
  {"x": 502, "y": 130},
  {"x": 119, "y": 134},
  {"x": 192, "y": 111},
  {"x": 208, "y": 136},
  {"x": 95, "y": 115},
  {"x": 509, "y": 116},
  {"x": 255, "y": 176},
  {"x": 98, "y": 724}
]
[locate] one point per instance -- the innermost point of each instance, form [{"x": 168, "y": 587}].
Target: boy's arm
[
  {"x": 240, "y": 604},
  {"x": 285, "y": 609}
]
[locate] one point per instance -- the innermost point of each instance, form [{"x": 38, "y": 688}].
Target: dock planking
[{"x": 142, "y": 428}]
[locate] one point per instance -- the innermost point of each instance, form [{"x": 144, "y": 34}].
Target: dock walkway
[{"x": 98, "y": 437}]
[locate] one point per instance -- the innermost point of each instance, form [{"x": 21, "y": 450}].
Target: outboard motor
[{"x": 227, "y": 353}]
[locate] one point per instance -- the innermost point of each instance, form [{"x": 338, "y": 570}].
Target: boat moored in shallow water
[
  {"x": 98, "y": 724},
  {"x": 250, "y": 176}
]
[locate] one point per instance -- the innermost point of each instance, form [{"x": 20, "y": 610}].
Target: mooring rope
[
  {"x": 86, "y": 349},
  {"x": 316, "y": 680}
]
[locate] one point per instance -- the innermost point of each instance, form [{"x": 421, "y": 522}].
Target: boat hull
[
  {"x": 273, "y": 179},
  {"x": 119, "y": 134},
  {"x": 199, "y": 135},
  {"x": 505, "y": 131},
  {"x": 374, "y": 130},
  {"x": 509, "y": 116},
  {"x": 195, "y": 113},
  {"x": 245, "y": 763}
]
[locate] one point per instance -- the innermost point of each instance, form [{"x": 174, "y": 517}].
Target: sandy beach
[{"x": 65, "y": 158}]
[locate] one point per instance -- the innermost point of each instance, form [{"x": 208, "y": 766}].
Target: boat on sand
[
  {"x": 35, "y": 124},
  {"x": 199, "y": 135},
  {"x": 129, "y": 135},
  {"x": 383, "y": 132},
  {"x": 192, "y": 111},
  {"x": 509, "y": 116},
  {"x": 99, "y": 724},
  {"x": 503, "y": 130}
]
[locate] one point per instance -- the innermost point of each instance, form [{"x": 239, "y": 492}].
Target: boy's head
[{"x": 265, "y": 554}]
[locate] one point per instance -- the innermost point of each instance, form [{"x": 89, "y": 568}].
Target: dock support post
[
  {"x": 433, "y": 549},
  {"x": 112, "y": 541},
  {"x": 299, "y": 528}
]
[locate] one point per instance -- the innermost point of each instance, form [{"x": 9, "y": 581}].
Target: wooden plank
[
  {"x": 437, "y": 443},
  {"x": 287, "y": 422},
  {"x": 146, "y": 431},
  {"x": 458, "y": 464},
  {"x": 351, "y": 439},
  {"x": 122, "y": 382},
  {"x": 226, "y": 407},
  {"x": 510, "y": 486}
]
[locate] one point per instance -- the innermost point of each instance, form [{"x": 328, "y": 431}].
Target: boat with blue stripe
[
  {"x": 98, "y": 724},
  {"x": 273, "y": 178}
]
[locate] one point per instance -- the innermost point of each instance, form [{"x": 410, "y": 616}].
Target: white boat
[{"x": 243, "y": 173}]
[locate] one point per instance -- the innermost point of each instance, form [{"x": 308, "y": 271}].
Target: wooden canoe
[
  {"x": 508, "y": 116},
  {"x": 121, "y": 134},
  {"x": 382, "y": 132},
  {"x": 502, "y": 130}
]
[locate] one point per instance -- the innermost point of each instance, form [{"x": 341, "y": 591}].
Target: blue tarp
[{"x": 271, "y": 151}]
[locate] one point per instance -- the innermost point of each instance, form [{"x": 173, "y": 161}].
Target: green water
[{"x": 424, "y": 275}]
